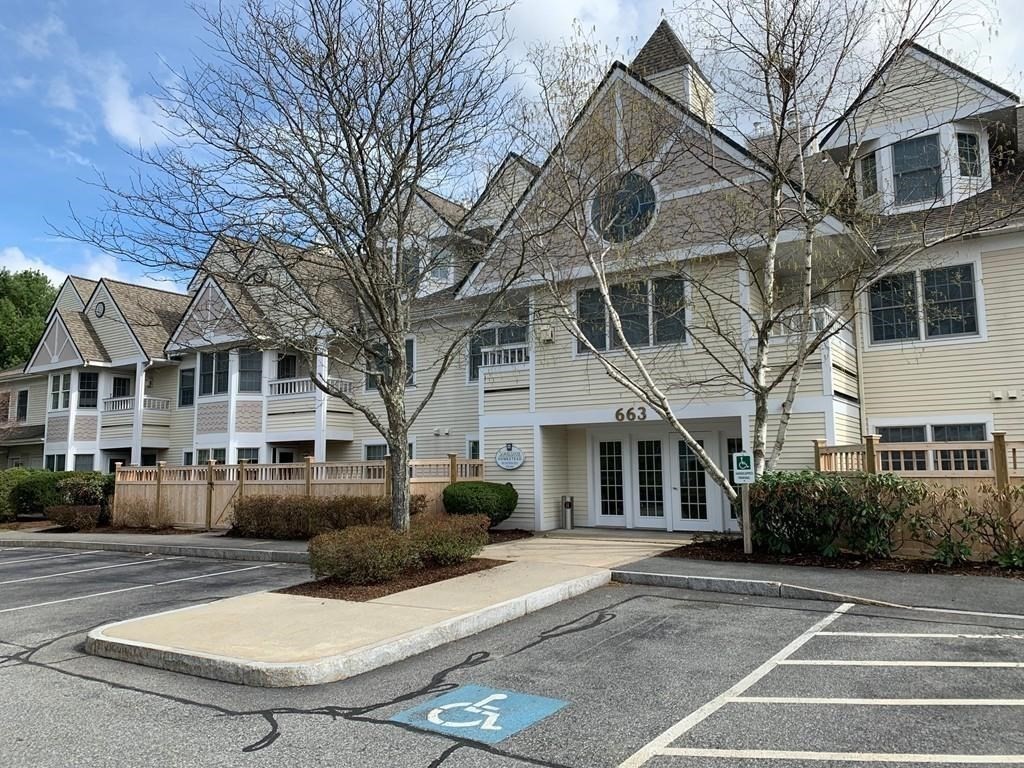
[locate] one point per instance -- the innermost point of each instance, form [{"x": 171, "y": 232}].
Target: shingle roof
[
  {"x": 662, "y": 51},
  {"x": 447, "y": 209},
  {"x": 88, "y": 342},
  {"x": 84, "y": 286},
  {"x": 22, "y": 434},
  {"x": 152, "y": 314}
]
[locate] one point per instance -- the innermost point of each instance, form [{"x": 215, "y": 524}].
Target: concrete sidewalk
[
  {"x": 932, "y": 591},
  {"x": 199, "y": 544},
  {"x": 274, "y": 640}
]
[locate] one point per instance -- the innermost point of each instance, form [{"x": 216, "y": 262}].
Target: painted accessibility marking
[{"x": 480, "y": 714}]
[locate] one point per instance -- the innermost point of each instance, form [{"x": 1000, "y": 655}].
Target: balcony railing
[
  {"x": 305, "y": 386},
  {"x": 517, "y": 354},
  {"x": 114, "y": 404}
]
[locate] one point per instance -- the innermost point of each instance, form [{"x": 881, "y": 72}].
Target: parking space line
[
  {"x": 658, "y": 745},
  {"x": 934, "y": 635},
  {"x": 136, "y": 587},
  {"x": 88, "y": 570},
  {"x": 50, "y": 557},
  {"x": 901, "y": 663},
  {"x": 879, "y": 702},
  {"x": 849, "y": 757}
]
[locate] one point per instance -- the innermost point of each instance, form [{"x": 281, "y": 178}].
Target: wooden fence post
[
  {"x": 309, "y": 476},
  {"x": 210, "y": 464},
  {"x": 817, "y": 454},
  {"x": 453, "y": 468},
  {"x": 113, "y": 507},
  {"x": 870, "y": 457},
  {"x": 159, "y": 487},
  {"x": 999, "y": 461}
]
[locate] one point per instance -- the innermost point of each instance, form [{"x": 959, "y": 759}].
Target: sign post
[{"x": 743, "y": 475}]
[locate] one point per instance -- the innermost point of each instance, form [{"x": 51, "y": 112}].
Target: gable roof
[
  {"x": 152, "y": 313},
  {"x": 82, "y": 286},
  {"x": 663, "y": 51},
  {"x": 447, "y": 209},
  {"x": 83, "y": 336},
  {"x": 512, "y": 157},
  {"x": 908, "y": 46}
]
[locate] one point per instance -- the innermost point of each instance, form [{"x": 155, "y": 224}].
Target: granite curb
[{"x": 180, "y": 550}]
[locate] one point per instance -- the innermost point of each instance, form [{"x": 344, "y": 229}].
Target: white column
[
  {"x": 320, "y": 399},
  {"x": 69, "y": 456},
  {"x": 231, "y": 449},
  {"x": 140, "y": 393}
]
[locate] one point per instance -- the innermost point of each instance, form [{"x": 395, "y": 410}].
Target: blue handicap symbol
[{"x": 480, "y": 714}]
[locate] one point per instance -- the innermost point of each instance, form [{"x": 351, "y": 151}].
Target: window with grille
[
  {"x": 968, "y": 149},
  {"x": 381, "y": 367},
  {"x": 893, "y": 301},
  {"x": 88, "y": 389},
  {"x": 610, "y": 478},
  {"x": 121, "y": 387},
  {"x": 186, "y": 387},
  {"x": 869, "y": 174},
  {"x": 60, "y": 391},
  {"x": 693, "y": 492},
  {"x": 895, "y": 460},
  {"x": 500, "y": 345},
  {"x": 917, "y": 169},
  {"x": 249, "y": 455},
  {"x": 650, "y": 482},
  {"x": 21, "y": 414},
  {"x": 219, "y": 455},
  {"x": 250, "y": 370},
  {"x": 950, "y": 306},
  {"x": 213, "y": 373}
]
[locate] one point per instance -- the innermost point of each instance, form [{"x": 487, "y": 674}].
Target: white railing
[
  {"x": 821, "y": 316},
  {"x": 507, "y": 355},
  {"x": 128, "y": 404},
  {"x": 305, "y": 386}
]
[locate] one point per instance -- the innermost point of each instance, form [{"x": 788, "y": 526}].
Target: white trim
[
  {"x": 538, "y": 481},
  {"x": 929, "y": 420}
]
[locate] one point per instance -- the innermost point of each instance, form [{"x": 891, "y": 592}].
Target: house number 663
[{"x": 631, "y": 414}]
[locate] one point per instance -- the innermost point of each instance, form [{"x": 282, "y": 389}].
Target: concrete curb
[
  {"x": 217, "y": 553},
  {"x": 754, "y": 587},
  {"x": 329, "y": 669}
]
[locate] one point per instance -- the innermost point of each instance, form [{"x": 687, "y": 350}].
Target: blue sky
[{"x": 75, "y": 79}]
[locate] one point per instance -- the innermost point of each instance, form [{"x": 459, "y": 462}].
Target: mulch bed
[
  {"x": 514, "y": 534},
  {"x": 112, "y": 529},
  {"x": 730, "y": 550},
  {"x": 334, "y": 590}
]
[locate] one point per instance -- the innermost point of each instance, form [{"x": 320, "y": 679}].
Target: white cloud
[
  {"x": 14, "y": 259},
  {"x": 91, "y": 265},
  {"x": 129, "y": 118},
  {"x": 36, "y": 39},
  {"x": 60, "y": 95}
]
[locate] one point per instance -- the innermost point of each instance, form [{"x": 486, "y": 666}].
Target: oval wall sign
[{"x": 509, "y": 457}]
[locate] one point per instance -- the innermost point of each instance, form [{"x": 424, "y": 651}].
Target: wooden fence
[{"x": 204, "y": 496}]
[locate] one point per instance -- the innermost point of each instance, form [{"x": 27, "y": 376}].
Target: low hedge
[
  {"x": 495, "y": 500},
  {"x": 449, "y": 540},
  {"x": 31, "y": 491},
  {"x": 34, "y": 493},
  {"x": 79, "y": 517},
  {"x": 301, "y": 517},
  {"x": 824, "y": 513},
  {"x": 362, "y": 554},
  {"x": 9, "y": 479}
]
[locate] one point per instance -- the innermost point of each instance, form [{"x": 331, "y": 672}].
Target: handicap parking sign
[{"x": 480, "y": 714}]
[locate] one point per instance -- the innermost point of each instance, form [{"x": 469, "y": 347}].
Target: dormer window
[
  {"x": 869, "y": 174},
  {"x": 969, "y": 150},
  {"x": 917, "y": 169}
]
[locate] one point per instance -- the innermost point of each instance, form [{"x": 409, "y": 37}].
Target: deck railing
[
  {"x": 115, "y": 404},
  {"x": 517, "y": 354},
  {"x": 305, "y": 386}
]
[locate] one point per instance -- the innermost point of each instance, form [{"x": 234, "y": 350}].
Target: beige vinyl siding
[
  {"x": 86, "y": 427},
  {"x": 112, "y": 328},
  {"x": 924, "y": 378},
  {"x": 212, "y": 417},
  {"x": 503, "y": 193},
  {"x": 803, "y": 430},
  {"x": 156, "y": 435},
  {"x": 577, "y": 483},
  {"x": 112, "y": 418},
  {"x": 180, "y": 438},
  {"x": 37, "y": 393},
  {"x": 291, "y": 421},
  {"x": 122, "y": 432},
  {"x": 702, "y": 98},
  {"x": 68, "y": 298},
  {"x": 555, "y": 468},
  {"x": 522, "y": 478},
  {"x": 30, "y": 456},
  {"x": 674, "y": 82},
  {"x": 847, "y": 429},
  {"x": 57, "y": 428}
]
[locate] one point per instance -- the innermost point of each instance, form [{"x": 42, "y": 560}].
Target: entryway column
[
  {"x": 140, "y": 396},
  {"x": 320, "y": 400}
]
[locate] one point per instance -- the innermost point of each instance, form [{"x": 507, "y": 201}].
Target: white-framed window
[
  {"x": 869, "y": 175},
  {"x": 56, "y": 462},
  {"x": 83, "y": 462},
  {"x": 213, "y": 373},
  {"x": 186, "y": 459},
  {"x": 917, "y": 169},
  {"x": 925, "y": 431},
  {"x": 380, "y": 451},
  {"x": 287, "y": 366},
  {"x": 940, "y": 302},
  {"x": 219, "y": 455},
  {"x": 88, "y": 389},
  {"x": 372, "y": 382},
  {"x": 472, "y": 447},
  {"x": 650, "y": 311},
  {"x": 121, "y": 387},
  {"x": 968, "y": 149},
  {"x": 60, "y": 391},
  {"x": 21, "y": 412},
  {"x": 186, "y": 387},
  {"x": 248, "y": 455},
  {"x": 497, "y": 344},
  {"x": 250, "y": 370}
]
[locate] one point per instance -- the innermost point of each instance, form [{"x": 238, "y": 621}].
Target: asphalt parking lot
[{"x": 622, "y": 676}]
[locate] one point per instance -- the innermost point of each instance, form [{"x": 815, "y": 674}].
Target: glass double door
[{"x": 656, "y": 482}]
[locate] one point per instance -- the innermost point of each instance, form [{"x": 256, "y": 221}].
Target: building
[{"x": 132, "y": 374}]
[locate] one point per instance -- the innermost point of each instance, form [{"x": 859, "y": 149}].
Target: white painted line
[
  {"x": 657, "y": 745},
  {"x": 885, "y": 663},
  {"x": 983, "y": 614},
  {"x": 924, "y": 635},
  {"x": 848, "y": 757},
  {"x": 132, "y": 589},
  {"x": 880, "y": 702},
  {"x": 50, "y": 557},
  {"x": 87, "y": 570}
]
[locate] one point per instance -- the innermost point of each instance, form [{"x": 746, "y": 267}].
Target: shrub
[
  {"x": 299, "y": 517},
  {"x": 139, "y": 513},
  {"x": 947, "y": 523},
  {"x": 80, "y": 517},
  {"x": 449, "y": 540},
  {"x": 1000, "y": 517},
  {"x": 35, "y": 492},
  {"x": 87, "y": 489},
  {"x": 822, "y": 513},
  {"x": 8, "y": 480},
  {"x": 361, "y": 554},
  {"x": 495, "y": 500}
]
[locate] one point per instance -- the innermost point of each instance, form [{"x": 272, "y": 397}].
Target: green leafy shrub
[
  {"x": 947, "y": 523},
  {"x": 87, "y": 489},
  {"x": 299, "y": 517},
  {"x": 1001, "y": 524},
  {"x": 362, "y": 554},
  {"x": 823, "y": 513},
  {"x": 495, "y": 500},
  {"x": 449, "y": 539},
  {"x": 8, "y": 480},
  {"x": 34, "y": 493},
  {"x": 79, "y": 517}
]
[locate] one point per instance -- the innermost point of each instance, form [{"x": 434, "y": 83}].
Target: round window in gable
[
  {"x": 623, "y": 209},
  {"x": 259, "y": 277},
  {"x": 99, "y": 309}
]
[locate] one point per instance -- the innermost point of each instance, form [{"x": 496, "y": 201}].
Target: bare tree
[
  {"x": 765, "y": 254},
  {"x": 302, "y": 145}
]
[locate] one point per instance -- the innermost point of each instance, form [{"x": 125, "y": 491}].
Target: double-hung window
[
  {"x": 650, "y": 312},
  {"x": 503, "y": 344},
  {"x": 380, "y": 367},
  {"x": 203, "y": 455},
  {"x": 88, "y": 389},
  {"x": 186, "y": 387},
  {"x": 21, "y": 414},
  {"x": 121, "y": 387},
  {"x": 60, "y": 391},
  {"x": 250, "y": 370},
  {"x": 894, "y": 459},
  {"x": 213, "y": 373},
  {"x": 968, "y": 149},
  {"x": 287, "y": 366},
  {"x": 56, "y": 462},
  {"x": 869, "y": 175},
  {"x": 249, "y": 455},
  {"x": 917, "y": 169},
  {"x": 380, "y": 451},
  {"x": 946, "y": 305}
]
